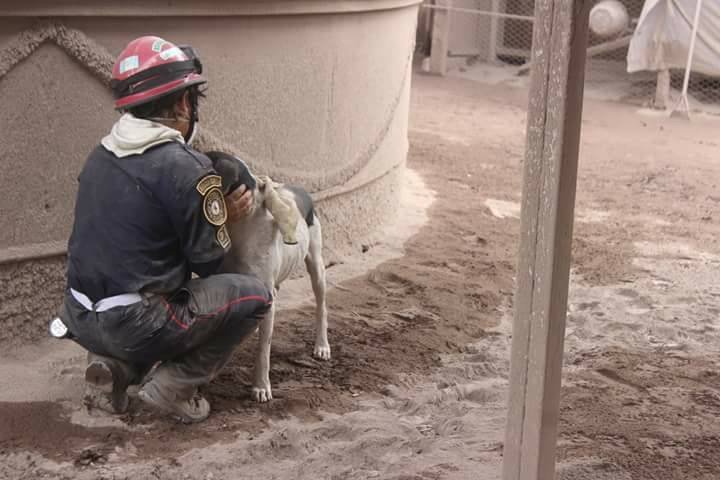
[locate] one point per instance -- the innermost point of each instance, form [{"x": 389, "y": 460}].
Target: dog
[{"x": 257, "y": 248}]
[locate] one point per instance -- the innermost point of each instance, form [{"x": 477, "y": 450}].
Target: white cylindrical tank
[{"x": 314, "y": 93}]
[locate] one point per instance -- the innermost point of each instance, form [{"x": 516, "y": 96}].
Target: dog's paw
[
  {"x": 262, "y": 394},
  {"x": 322, "y": 352}
]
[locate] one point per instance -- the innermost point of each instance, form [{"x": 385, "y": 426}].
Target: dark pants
[{"x": 193, "y": 332}]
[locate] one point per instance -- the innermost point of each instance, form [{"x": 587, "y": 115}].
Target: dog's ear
[
  {"x": 233, "y": 171},
  {"x": 245, "y": 177},
  {"x": 223, "y": 166}
]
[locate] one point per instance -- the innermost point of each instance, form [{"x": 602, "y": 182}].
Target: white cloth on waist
[{"x": 106, "y": 303}]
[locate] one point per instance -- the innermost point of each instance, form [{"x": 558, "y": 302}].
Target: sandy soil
[{"x": 417, "y": 386}]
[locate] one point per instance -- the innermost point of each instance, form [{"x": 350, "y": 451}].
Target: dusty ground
[{"x": 416, "y": 389}]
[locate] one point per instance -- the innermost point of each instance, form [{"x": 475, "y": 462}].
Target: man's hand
[{"x": 238, "y": 203}]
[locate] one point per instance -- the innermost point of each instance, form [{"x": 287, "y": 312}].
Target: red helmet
[{"x": 150, "y": 68}]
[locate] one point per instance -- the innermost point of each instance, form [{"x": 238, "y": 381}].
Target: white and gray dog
[{"x": 258, "y": 248}]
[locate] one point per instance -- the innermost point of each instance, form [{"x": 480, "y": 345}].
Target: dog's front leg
[{"x": 261, "y": 390}]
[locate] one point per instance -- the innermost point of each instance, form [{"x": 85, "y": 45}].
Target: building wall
[{"x": 313, "y": 93}]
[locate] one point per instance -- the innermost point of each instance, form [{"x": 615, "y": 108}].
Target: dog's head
[{"x": 233, "y": 171}]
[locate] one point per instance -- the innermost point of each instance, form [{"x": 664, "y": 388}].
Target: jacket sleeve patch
[
  {"x": 207, "y": 183},
  {"x": 223, "y": 237},
  {"x": 214, "y": 207}
]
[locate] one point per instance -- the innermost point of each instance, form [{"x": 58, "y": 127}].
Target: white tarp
[{"x": 662, "y": 37}]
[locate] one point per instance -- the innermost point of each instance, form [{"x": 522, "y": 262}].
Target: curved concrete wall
[{"x": 310, "y": 92}]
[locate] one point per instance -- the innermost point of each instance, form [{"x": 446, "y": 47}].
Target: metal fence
[{"x": 491, "y": 40}]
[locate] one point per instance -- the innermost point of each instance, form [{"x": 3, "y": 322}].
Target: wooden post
[
  {"x": 440, "y": 38},
  {"x": 550, "y": 173},
  {"x": 494, "y": 32},
  {"x": 424, "y": 29},
  {"x": 662, "y": 89}
]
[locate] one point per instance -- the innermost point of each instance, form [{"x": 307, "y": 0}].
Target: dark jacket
[{"x": 144, "y": 222}]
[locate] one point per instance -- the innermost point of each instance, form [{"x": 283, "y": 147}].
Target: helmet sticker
[
  {"x": 157, "y": 45},
  {"x": 172, "y": 52},
  {"x": 129, "y": 63}
]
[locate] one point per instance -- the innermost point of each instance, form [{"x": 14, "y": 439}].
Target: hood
[{"x": 132, "y": 136}]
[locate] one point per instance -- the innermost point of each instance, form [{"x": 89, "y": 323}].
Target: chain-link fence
[{"x": 491, "y": 40}]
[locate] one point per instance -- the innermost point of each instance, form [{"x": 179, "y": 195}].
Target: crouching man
[{"x": 150, "y": 212}]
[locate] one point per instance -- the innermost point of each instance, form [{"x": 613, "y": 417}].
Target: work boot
[
  {"x": 191, "y": 410},
  {"x": 107, "y": 381}
]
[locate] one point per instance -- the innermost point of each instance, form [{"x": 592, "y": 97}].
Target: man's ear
[{"x": 182, "y": 107}]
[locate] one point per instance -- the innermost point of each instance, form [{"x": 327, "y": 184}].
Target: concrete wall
[{"x": 310, "y": 92}]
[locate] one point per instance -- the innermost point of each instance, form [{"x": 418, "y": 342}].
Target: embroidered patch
[
  {"x": 223, "y": 237},
  {"x": 214, "y": 207},
  {"x": 129, "y": 63},
  {"x": 206, "y": 183}
]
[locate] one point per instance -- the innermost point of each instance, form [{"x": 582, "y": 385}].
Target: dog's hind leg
[
  {"x": 316, "y": 268},
  {"x": 261, "y": 388}
]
